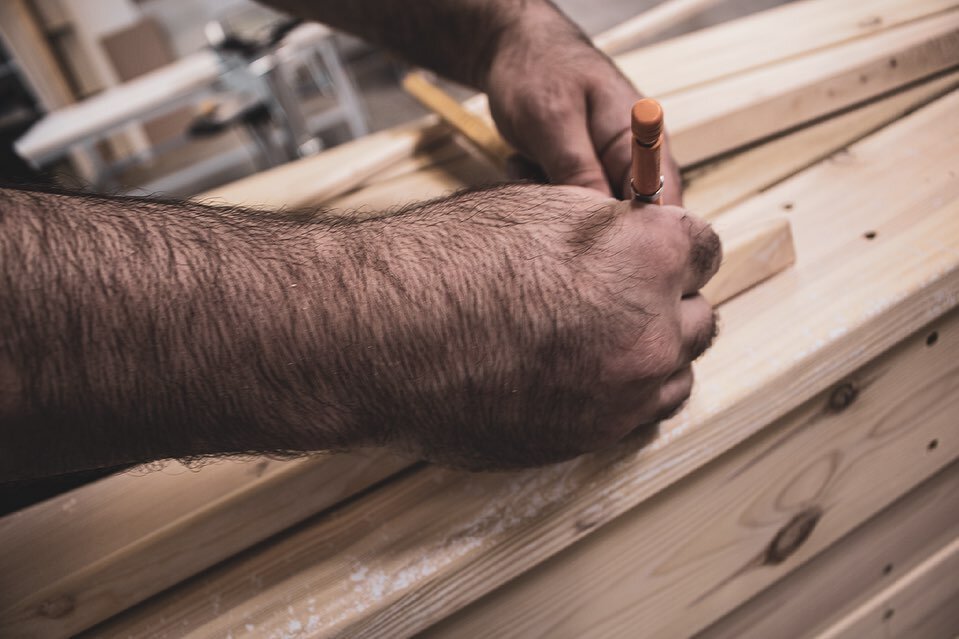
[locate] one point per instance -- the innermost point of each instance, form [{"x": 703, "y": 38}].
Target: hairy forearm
[
  {"x": 456, "y": 38},
  {"x": 505, "y": 327},
  {"x": 135, "y": 330}
]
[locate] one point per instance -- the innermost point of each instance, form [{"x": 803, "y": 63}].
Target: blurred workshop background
[{"x": 179, "y": 96}]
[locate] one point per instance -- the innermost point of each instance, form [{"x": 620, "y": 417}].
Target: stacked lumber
[{"x": 836, "y": 373}]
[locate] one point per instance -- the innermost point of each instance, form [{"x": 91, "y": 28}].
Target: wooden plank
[
  {"x": 788, "y": 31},
  {"x": 326, "y": 175},
  {"x": 853, "y": 569},
  {"x": 752, "y": 253},
  {"x": 751, "y": 106},
  {"x": 665, "y": 68},
  {"x": 150, "y": 532},
  {"x": 183, "y": 573},
  {"x": 384, "y": 565},
  {"x": 674, "y": 564},
  {"x": 627, "y": 35},
  {"x": 482, "y": 136},
  {"x": 714, "y": 187},
  {"x": 922, "y": 604}
]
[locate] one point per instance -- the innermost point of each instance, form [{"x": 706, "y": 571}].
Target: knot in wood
[
  {"x": 57, "y": 607},
  {"x": 791, "y": 536},
  {"x": 843, "y": 396}
]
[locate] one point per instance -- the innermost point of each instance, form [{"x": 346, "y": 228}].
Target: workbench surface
[{"x": 808, "y": 488}]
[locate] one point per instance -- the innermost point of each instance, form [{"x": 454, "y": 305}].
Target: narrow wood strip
[
  {"x": 751, "y": 106},
  {"x": 713, "y": 188},
  {"x": 752, "y": 253},
  {"x": 920, "y": 605},
  {"x": 477, "y": 132}
]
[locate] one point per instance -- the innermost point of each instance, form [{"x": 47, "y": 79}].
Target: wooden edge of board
[{"x": 752, "y": 252}]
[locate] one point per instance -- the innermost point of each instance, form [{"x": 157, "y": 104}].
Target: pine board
[
  {"x": 852, "y": 570},
  {"x": 403, "y": 570},
  {"x": 712, "y": 541}
]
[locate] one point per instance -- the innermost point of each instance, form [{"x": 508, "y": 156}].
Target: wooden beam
[
  {"x": 676, "y": 563},
  {"x": 852, "y": 570},
  {"x": 751, "y": 106},
  {"x": 714, "y": 187},
  {"x": 402, "y": 570},
  {"x": 136, "y": 528},
  {"x": 919, "y": 605},
  {"x": 752, "y": 253},
  {"x": 629, "y": 34}
]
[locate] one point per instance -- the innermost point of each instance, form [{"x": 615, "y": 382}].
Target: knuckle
[{"x": 706, "y": 252}]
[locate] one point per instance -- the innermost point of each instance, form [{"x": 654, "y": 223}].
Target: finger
[
  {"x": 609, "y": 105},
  {"x": 698, "y": 327},
  {"x": 566, "y": 153},
  {"x": 673, "y": 188},
  {"x": 674, "y": 392},
  {"x": 519, "y": 167},
  {"x": 705, "y": 251}
]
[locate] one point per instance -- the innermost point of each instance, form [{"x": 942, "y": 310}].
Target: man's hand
[
  {"x": 557, "y": 99},
  {"x": 528, "y": 324},
  {"x": 566, "y": 106}
]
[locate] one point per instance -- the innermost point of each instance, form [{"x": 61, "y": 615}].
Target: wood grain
[
  {"x": 753, "y": 105},
  {"x": 920, "y": 605},
  {"x": 752, "y": 253},
  {"x": 384, "y": 565},
  {"x": 677, "y": 562},
  {"x": 852, "y": 570},
  {"x": 714, "y": 187},
  {"x": 143, "y": 533}
]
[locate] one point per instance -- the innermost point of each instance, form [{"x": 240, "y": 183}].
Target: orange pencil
[{"x": 645, "y": 176}]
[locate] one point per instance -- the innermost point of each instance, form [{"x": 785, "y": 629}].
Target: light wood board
[
  {"x": 676, "y": 563},
  {"x": 115, "y": 542},
  {"x": 852, "y": 570},
  {"x": 401, "y": 570},
  {"x": 920, "y": 605},
  {"x": 714, "y": 187},
  {"x": 753, "y": 105}
]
